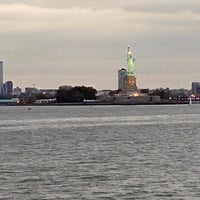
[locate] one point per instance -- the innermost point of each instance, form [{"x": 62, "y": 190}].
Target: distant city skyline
[
  {"x": 1, "y": 77},
  {"x": 57, "y": 42}
]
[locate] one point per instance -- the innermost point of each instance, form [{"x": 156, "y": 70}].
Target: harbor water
[{"x": 100, "y": 152}]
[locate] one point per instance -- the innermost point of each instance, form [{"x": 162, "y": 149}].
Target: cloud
[
  {"x": 85, "y": 41},
  {"x": 131, "y": 5},
  {"x": 24, "y": 18}
]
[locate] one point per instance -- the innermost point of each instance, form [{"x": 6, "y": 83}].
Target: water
[{"x": 100, "y": 152}]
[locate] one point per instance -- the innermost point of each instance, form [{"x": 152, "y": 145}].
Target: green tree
[{"x": 75, "y": 94}]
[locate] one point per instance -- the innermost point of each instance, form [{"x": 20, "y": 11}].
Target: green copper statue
[{"x": 130, "y": 63}]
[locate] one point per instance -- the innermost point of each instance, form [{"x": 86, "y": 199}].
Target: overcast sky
[{"x": 83, "y": 42}]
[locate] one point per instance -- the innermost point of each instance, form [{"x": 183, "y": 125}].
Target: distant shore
[{"x": 100, "y": 104}]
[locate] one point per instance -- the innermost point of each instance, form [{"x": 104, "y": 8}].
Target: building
[
  {"x": 121, "y": 76},
  {"x": 31, "y": 90},
  {"x": 49, "y": 91},
  {"x": 11, "y": 101},
  {"x": 45, "y": 101},
  {"x": 65, "y": 87},
  {"x": 17, "y": 92},
  {"x": 196, "y": 88},
  {"x": 1, "y": 77},
  {"x": 8, "y": 87},
  {"x": 17, "y": 89},
  {"x": 103, "y": 93},
  {"x": 179, "y": 92}
]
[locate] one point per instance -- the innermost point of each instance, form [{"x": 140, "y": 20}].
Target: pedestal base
[{"x": 129, "y": 84}]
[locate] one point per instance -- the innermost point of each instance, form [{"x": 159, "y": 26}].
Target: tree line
[{"x": 75, "y": 94}]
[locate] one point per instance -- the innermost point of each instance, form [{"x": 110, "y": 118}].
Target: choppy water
[{"x": 100, "y": 152}]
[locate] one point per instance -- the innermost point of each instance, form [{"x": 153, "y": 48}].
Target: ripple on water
[{"x": 131, "y": 152}]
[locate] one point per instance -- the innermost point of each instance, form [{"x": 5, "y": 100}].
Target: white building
[
  {"x": 49, "y": 91},
  {"x": 45, "y": 101}
]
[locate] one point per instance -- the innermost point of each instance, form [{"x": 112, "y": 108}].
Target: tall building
[
  {"x": 126, "y": 77},
  {"x": 196, "y": 88},
  {"x": 9, "y": 87},
  {"x": 1, "y": 77},
  {"x": 121, "y": 76}
]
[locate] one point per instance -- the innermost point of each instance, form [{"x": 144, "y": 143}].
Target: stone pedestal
[{"x": 129, "y": 84}]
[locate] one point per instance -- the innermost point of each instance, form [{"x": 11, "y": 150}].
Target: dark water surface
[{"x": 100, "y": 152}]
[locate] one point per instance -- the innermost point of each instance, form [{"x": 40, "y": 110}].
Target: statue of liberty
[{"x": 130, "y": 63}]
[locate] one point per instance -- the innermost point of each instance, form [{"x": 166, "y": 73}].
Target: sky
[{"x": 50, "y": 43}]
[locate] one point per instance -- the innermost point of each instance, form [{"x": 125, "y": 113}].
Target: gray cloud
[
  {"x": 84, "y": 42},
  {"x": 132, "y": 5}
]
